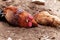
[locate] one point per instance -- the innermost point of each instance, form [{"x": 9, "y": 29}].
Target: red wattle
[{"x": 30, "y": 24}]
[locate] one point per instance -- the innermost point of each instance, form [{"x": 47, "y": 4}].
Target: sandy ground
[{"x": 9, "y": 32}]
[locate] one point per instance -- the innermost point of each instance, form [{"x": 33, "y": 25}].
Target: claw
[{"x": 1, "y": 13}]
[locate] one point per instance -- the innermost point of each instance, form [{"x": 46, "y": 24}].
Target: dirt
[{"x": 9, "y": 32}]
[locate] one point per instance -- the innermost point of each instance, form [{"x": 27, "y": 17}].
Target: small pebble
[
  {"x": 9, "y": 38},
  {"x": 20, "y": 39},
  {"x": 53, "y": 38},
  {"x": 39, "y": 2},
  {"x": 3, "y": 0}
]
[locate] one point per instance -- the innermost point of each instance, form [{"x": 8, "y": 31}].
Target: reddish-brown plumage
[
  {"x": 45, "y": 18},
  {"x": 19, "y": 17}
]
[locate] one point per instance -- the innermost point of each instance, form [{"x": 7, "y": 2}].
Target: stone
[{"x": 39, "y": 2}]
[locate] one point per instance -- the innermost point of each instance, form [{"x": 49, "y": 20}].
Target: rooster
[
  {"x": 45, "y": 18},
  {"x": 19, "y": 17}
]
